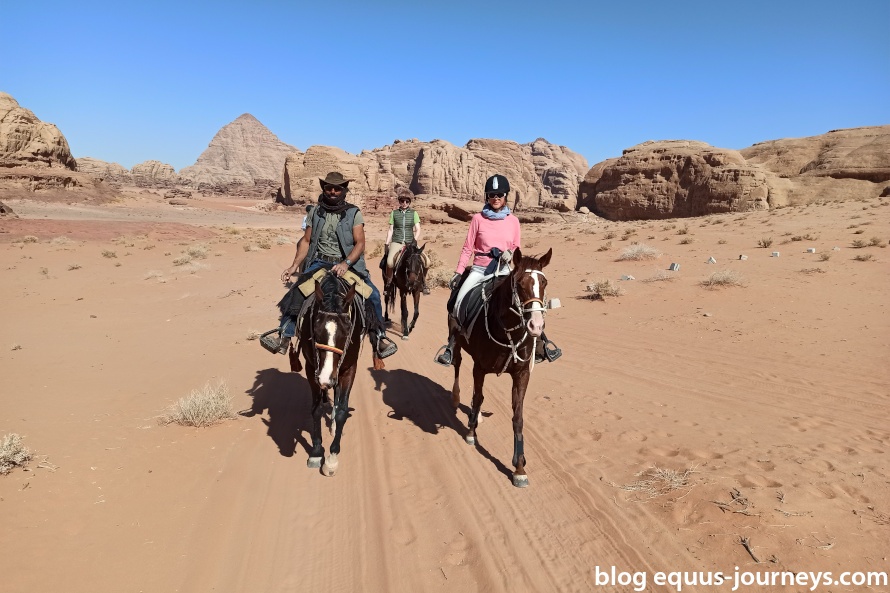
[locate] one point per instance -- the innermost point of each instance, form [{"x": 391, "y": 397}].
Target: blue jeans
[{"x": 288, "y": 324}]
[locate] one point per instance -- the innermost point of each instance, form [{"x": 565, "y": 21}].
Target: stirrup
[
  {"x": 551, "y": 352},
  {"x": 275, "y": 345},
  {"x": 444, "y": 356},
  {"x": 387, "y": 350}
]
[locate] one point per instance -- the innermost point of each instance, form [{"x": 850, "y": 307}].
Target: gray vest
[
  {"x": 344, "y": 237},
  {"x": 403, "y": 226}
]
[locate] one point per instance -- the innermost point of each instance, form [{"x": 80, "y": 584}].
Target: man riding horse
[{"x": 493, "y": 230}]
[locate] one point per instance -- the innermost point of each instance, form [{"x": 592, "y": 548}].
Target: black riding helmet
[{"x": 497, "y": 184}]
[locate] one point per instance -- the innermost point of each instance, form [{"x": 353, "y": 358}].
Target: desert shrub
[
  {"x": 659, "y": 481},
  {"x": 609, "y": 235},
  {"x": 439, "y": 278},
  {"x": 722, "y": 278},
  {"x": 875, "y": 242},
  {"x": 375, "y": 251},
  {"x": 181, "y": 261},
  {"x": 13, "y": 453},
  {"x": 687, "y": 240},
  {"x": 152, "y": 274},
  {"x": 16, "y": 347},
  {"x": 251, "y": 247},
  {"x": 29, "y": 239},
  {"x": 605, "y": 246},
  {"x": 721, "y": 242},
  {"x": 661, "y": 276},
  {"x": 859, "y": 231},
  {"x": 864, "y": 257},
  {"x": 197, "y": 251},
  {"x": 765, "y": 242},
  {"x": 252, "y": 335},
  {"x": 603, "y": 289},
  {"x": 859, "y": 244},
  {"x": 810, "y": 271},
  {"x": 202, "y": 407},
  {"x": 435, "y": 260},
  {"x": 61, "y": 241},
  {"x": 824, "y": 256},
  {"x": 683, "y": 231},
  {"x": 233, "y": 231},
  {"x": 109, "y": 254},
  {"x": 264, "y": 244},
  {"x": 638, "y": 252}
]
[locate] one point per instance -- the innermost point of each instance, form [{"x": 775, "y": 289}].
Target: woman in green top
[{"x": 404, "y": 227}]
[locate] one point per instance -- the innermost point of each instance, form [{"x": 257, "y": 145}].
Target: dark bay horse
[
  {"x": 407, "y": 279},
  {"x": 503, "y": 340},
  {"x": 330, "y": 341}
]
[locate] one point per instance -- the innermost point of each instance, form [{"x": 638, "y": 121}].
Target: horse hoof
[
  {"x": 313, "y": 462},
  {"x": 330, "y": 466},
  {"x": 470, "y": 440},
  {"x": 520, "y": 481},
  {"x": 405, "y": 337}
]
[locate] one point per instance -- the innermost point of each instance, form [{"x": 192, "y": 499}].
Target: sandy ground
[{"x": 773, "y": 398}]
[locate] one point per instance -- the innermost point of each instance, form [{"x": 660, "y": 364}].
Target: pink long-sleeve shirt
[{"x": 485, "y": 234}]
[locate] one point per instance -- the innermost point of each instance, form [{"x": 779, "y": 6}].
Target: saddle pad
[{"x": 361, "y": 287}]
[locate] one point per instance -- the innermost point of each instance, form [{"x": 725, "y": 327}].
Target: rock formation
[
  {"x": 25, "y": 141},
  {"x": 541, "y": 174},
  {"x": 153, "y": 174},
  {"x": 243, "y": 152},
  {"x": 112, "y": 172}
]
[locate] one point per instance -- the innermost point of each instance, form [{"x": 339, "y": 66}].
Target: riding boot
[
  {"x": 383, "y": 346},
  {"x": 446, "y": 353},
  {"x": 546, "y": 350}
]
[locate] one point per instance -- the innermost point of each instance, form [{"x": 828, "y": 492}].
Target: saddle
[{"x": 471, "y": 305}]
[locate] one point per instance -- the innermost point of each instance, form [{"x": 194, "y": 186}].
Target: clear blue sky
[{"x": 132, "y": 81}]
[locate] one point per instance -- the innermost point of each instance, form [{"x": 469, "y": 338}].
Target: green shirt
[
  {"x": 327, "y": 240},
  {"x": 403, "y": 222}
]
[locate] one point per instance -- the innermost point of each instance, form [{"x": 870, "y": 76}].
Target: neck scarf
[
  {"x": 490, "y": 213},
  {"x": 334, "y": 204}
]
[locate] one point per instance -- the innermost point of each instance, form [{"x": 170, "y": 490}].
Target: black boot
[{"x": 546, "y": 350}]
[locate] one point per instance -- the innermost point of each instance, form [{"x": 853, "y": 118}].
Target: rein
[
  {"x": 518, "y": 308},
  {"x": 351, "y": 308}
]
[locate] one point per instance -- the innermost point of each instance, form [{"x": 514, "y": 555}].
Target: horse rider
[
  {"x": 493, "y": 227},
  {"x": 404, "y": 227},
  {"x": 334, "y": 239}
]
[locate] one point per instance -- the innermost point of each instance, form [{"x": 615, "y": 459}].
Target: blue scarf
[{"x": 489, "y": 213}]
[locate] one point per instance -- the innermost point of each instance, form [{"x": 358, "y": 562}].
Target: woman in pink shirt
[{"x": 493, "y": 227}]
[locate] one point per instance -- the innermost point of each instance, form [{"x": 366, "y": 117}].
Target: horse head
[
  {"x": 332, "y": 327},
  {"x": 414, "y": 270},
  {"x": 530, "y": 289}
]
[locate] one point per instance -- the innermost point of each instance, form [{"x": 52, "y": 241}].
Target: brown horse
[
  {"x": 503, "y": 340},
  {"x": 330, "y": 341},
  {"x": 407, "y": 279}
]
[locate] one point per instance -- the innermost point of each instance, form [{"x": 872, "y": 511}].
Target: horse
[
  {"x": 330, "y": 341},
  {"x": 408, "y": 279},
  {"x": 503, "y": 340}
]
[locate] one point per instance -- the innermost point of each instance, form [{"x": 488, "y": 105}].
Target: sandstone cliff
[
  {"x": 27, "y": 141},
  {"x": 112, "y": 172},
  {"x": 242, "y": 152},
  {"x": 541, "y": 174}
]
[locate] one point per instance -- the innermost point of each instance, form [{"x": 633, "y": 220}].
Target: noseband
[{"x": 521, "y": 309}]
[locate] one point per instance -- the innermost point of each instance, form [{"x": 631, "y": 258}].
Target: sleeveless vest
[
  {"x": 403, "y": 226},
  {"x": 344, "y": 237}
]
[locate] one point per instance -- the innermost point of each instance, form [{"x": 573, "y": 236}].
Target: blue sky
[{"x": 128, "y": 82}]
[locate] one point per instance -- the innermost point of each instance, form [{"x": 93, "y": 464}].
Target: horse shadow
[
  {"x": 427, "y": 405},
  {"x": 287, "y": 398}
]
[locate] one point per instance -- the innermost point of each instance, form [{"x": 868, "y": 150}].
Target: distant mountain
[
  {"x": 242, "y": 152},
  {"x": 27, "y": 141}
]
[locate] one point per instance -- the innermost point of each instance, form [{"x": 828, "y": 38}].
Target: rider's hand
[
  {"x": 455, "y": 280},
  {"x": 340, "y": 268},
  {"x": 287, "y": 273}
]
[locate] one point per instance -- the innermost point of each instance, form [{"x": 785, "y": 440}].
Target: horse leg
[
  {"x": 404, "y": 300},
  {"x": 455, "y": 389},
  {"x": 520, "y": 384},
  {"x": 416, "y": 311},
  {"x": 478, "y": 379},
  {"x": 317, "y": 452},
  {"x": 338, "y": 419}
]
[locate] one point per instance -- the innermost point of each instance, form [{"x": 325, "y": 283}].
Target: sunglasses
[
  {"x": 333, "y": 188},
  {"x": 404, "y": 201},
  {"x": 496, "y": 196}
]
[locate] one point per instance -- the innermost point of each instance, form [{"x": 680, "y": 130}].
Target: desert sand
[{"x": 771, "y": 398}]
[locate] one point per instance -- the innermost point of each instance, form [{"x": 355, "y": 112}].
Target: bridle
[
  {"x": 523, "y": 310},
  {"x": 351, "y": 311}
]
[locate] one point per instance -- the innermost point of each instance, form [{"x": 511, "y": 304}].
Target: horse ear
[
  {"x": 517, "y": 258},
  {"x": 422, "y": 248},
  {"x": 318, "y": 293},
  {"x": 545, "y": 259},
  {"x": 350, "y": 293}
]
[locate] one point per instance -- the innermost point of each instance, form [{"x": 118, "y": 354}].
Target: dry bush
[
  {"x": 251, "y": 247},
  {"x": 605, "y": 246},
  {"x": 439, "y": 278},
  {"x": 181, "y": 261},
  {"x": 197, "y": 251},
  {"x": 858, "y": 244},
  {"x": 721, "y": 242},
  {"x": 810, "y": 271},
  {"x": 29, "y": 239},
  {"x": 609, "y": 235},
  {"x": 233, "y": 231},
  {"x": 602, "y": 289},
  {"x": 876, "y": 242},
  {"x": 638, "y": 252},
  {"x": 73, "y": 267},
  {"x": 152, "y": 274},
  {"x": 282, "y": 240},
  {"x": 375, "y": 251},
  {"x": 859, "y": 231},
  {"x": 264, "y": 244},
  {"x": 683, "y": 231},
  {"x": 252, "y": 335},
  {"x": 765, "y": 242},
  {"x": 108, "y": 253},
  {"x": 722, "y": 278},
  {"x": 13, "y": 453},
  {"x": 61, "y": 241},
  {"x": 824, "y": 256},
  {"x": 864, "y": 257},
  {"x": 661, "y": 276},
  {"x": 435, "y": 260},
  {"x": 203, "y": 407},
  {"x": 686, "y": 240},
  {"x": 807, "y": 237},
  {"x": 16, "y": 347},
  {"x": 659, "y": 481}
]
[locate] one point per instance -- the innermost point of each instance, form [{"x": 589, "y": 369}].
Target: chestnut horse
[
  {"x": 503, "y": 339},
  {"x": 407, "y": 278},
  {"x": 330, "y": 340}
]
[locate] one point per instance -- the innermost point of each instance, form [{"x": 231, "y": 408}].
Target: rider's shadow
[
  {"x": 288, "y": 400},
  {"x": 413, "y": 397}
]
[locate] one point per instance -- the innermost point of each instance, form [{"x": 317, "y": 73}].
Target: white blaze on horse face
[
  {"x": 536, "y": 322},
  {"x": 327, "y": 364}
]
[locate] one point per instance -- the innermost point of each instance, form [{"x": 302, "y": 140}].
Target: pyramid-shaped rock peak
[
  {"x": 27, "y": 141},
  {"x": 244, "y": 151}
]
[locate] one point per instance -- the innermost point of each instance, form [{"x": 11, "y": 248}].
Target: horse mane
[{"x": 333, "y": 290}]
